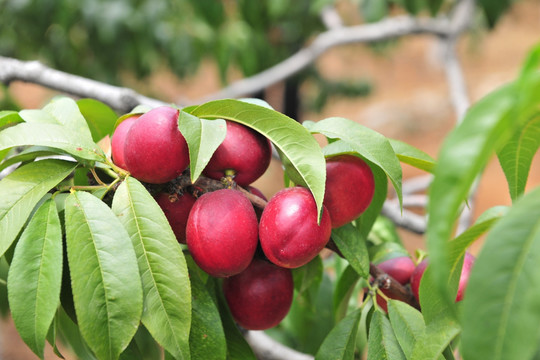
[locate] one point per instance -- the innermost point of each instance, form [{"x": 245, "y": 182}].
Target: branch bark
[{"x": 120, "y": 98}]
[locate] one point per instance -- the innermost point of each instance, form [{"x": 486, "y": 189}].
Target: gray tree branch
[{"x": 119, "y": 98}]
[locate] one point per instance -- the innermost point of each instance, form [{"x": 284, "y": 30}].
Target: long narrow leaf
[
  {"x": 501, "y": 317},
  {"x": 35, "y": 276},
  {"x": 104, "y": 276},
  {"x": 162, "y": 267}
]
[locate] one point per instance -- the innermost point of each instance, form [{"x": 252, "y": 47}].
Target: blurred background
[{"x": 186, "y": 51}]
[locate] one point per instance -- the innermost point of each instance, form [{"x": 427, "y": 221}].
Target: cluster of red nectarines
[{"x": 221, "y": 228}]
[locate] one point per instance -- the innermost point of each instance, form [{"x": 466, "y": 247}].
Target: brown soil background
[{"x": 410, "y": 102}]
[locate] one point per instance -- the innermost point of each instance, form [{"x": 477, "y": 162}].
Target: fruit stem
[{"x": 395, "y": 289}]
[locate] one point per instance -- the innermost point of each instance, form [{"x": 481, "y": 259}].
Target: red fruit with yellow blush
[{"x": 118, "y": 140}]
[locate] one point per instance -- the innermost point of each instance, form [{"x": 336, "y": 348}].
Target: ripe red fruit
[
  {"x": 400, "y": 268},
  {"x": 176, "y": 208},
  {"x": 349, "y": 188},
  {"x": 222, "y": 232},
  {"x": 245, "y": 151},
  {"x": 260, "y": 296},
  {"x": 288, "y": 230},
  {"x": 118, "y": 140},
  {"x": 418, "y": 272},
  {"x": 155, "y": 151}
]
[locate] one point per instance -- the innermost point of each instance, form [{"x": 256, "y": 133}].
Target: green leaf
[
  {"x": 438, "y": 335},
  {"x": 206, "y": 338},
  {"x": 371, "y": 145},
  {"x": 288, "y": 136},
  {"x": 407, "y": 323},
  {"x": 343, "y": 292},
  {"x": 21, "y": 190},
  {"x": 26, "y": 155},
  {"x": 203, "y": 138},
  {"x": 340, "y": 342},
  {"x": 99, "y": 117},
  {"x": 104, "y": 275},
  {"x": 434, "y": 6},
  {"x": 237, "y": 346},
  {"x": 162, "y": 267},
  {"x": 352, "y": 245},
  {"x": 408, "y": 154},
  {"x": 66, "y": 112},
  {"x": 308, "y": 275},
  {"x": 501, "y": 317},
  {"x": 459, "y": 245},
  {"x": 9, "y": 118},
  {"x": 51, "y": 135},
  {"x": 70, "y": 334},
  {"x": 464, "y": 154},
  {"x": 517, "y": 155},
  {"x": 366, "y": 221},
  {"x": 382, "y": 342},
  {"x": 35, "y": 276}
]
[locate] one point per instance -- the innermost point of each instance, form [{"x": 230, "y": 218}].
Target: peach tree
[{"x": 167, "y": 250}]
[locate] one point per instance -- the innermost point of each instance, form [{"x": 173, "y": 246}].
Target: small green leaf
[
  {"x": 69, "y": 332},
  {"x": 51, "y": 135},
  {"x": 501, "y": 317},
  {"x": 308, "y": 275},
  {"x": 340, "y": 342},
  {"x": 104, "y": 275},
  {"x": 343, "y": 292},
  {"x": 517, "y": 155},
  {"x": 35, "y": 276},
  {"x": 237, "y": 346},
  {"x": 203, "y": 138},
  {"x": 9, "y": 118},
  {"x": 407, "y": 323},
  {"x": 21, "y": 190},
  {"x": 408, "y": 154},
  {"x": 162, "y": 267},
  {"x": 206, "y": 338},
  {"x": 493, "y": 10},
  {"x": 27, "y": 154},
  {"x": 289, "y": 137},
  {"x": 382, "y": 342},
  {"x": 371, "y": 145},
  {"x": 352, "y": 245},
  {"x": 459, "y": 245},
  {"x": 99, "y": 117}
]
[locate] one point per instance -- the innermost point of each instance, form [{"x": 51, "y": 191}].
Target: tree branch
[
  {"x": 266, "y": 348},
  {"x": 119, "y": 98},
  {"x": 385, "y": 29}
]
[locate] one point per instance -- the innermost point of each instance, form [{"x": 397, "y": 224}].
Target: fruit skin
[
  {"x": 401, "y": 269},
  {"x": 155, "y": 151},
  {"x": 176, "y": 209},
  {"x": 260, "y": 296},
  {"x": 222, "y": 232},
  {"x": 245, "y": 151},
  {"x": 349, "y": 188},
  {"x": 288, "y": 230},
  {"x": 118, "y": 140},
  {"x": 418, "y": 272}
]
